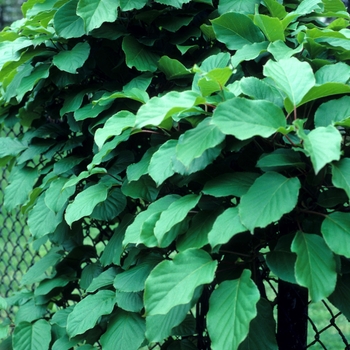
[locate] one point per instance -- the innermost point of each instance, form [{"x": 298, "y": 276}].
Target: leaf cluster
[{"x": 172, "y": 151}]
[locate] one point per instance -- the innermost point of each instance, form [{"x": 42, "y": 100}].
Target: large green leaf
[
  {"x": 262, "y": 329},
  {"x": 231, "y": 184},
  {"x": 11, "y": 147},
  {"x": 232, "y": 306},
  {"x": 144, "y": 188},
  {"x": 197, "y": 235},
  {"x": 173, "y": 69},
  {"x": 158, "y": 109},
  {"x": 139, "y": 56},
  {"x": 245, "y": 118},
  {"x": 85, "y": 202},
  {"x": 96, "y": 12},
  {"x": 87, "y": 312},
  {"x": 315, "y": 267},
  {"x": 249, "y": 52},
  {"x": 55, "y": 196},
  {"x": 174, "y": 214},
  {"x": 111, "y": 207},
  {"x": 32, "y": 336},
  {"x": 325, "y": 115},
  {"x": 42, "y": 220},
  {"x": 22, "y": 181},
  {"x": 280, "y": 159},
  {"x": 236, "y": 30},
  {"x": 341, "y": 175},
  {"x": 240, "y": 6},
  {"x": 270, "y": 197},
  {"x": 336, "y": 232},
  {"x": 293, "y": 77},
  {"x": 323, "y": 146},
  {"x": 114, "y": 126},
  {"x": 66, "y": 22},
  {"x": 125, "y": 331},
  {"x": 161, "y": 163},
  {"x": 173, "y": 282},
  {"x": 132, "y": 302},
  {"x": 194, "y": 142},
  {"x": 140, "y": 231},
  {"x": 70, "y": 60},
  {"x": 133, "y": 280},
  {"x": 272, "y": 27},
  {"x": 136, "y": 170},
  {"x": 336, "y": 73},
  {"x": 225, "y": 227}
]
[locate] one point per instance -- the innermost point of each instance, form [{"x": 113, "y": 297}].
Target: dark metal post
[{"x": 292, "y": 316}]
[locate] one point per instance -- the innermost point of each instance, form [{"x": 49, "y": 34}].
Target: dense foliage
[{"x": 171, "y": 149}]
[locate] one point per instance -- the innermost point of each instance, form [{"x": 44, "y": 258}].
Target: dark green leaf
[{"x": 315, "y": 265}]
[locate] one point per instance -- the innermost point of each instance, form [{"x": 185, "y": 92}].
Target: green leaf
[
  {"x": 22, "y": 181},
  {"x": 281, "y": 260},
  {"x": 89, "y": 111},
  {"x": 236, "y": 30},
  {"x": 272, "y": 27},
  {"x": 42, "y": 220},
  {"x": 293, "y": 77},
  {"x": 32, "y": 336},
  {"x": 280, "y": 159},
  {"x": 140, "y": 231},
  {"x": 333, "y": 73},
  {"x": 325, "y": 115},
  {"x": 143, "y": 188},
  {"x": 127, "y": 5},
  {"x": 158, "y": 109},
  {"x": 161, "y": 164},
  {"x": 173, "y": 282},
  {"x": 132, "y": 302},
  {"x": 245, "y": 118},
  {"x": 70, "y": 60},
  {"x": 128, "y": 328},
  {"x": 138, "y": 56},
  {"x": 322, "y": 145},
  {"x": 240, "y": 6},
  {"x": 227, "y": 225},
  {"x": 175, "y": 3},
  {"x": 133, "y": 280},
  {"x": 194, "y": 142},
  {"x": 197, "y": 235},
  {"x": 280, "y": 50},
  {"x": 319, "y": 91},
  {"x": 275, "y": 8},
  {"x": 85, "y": 202},
  {"x": 231, "y": 184},
  {"x": 214, "y": 80},
  {"x": 37, "y": 272},
  {"x": 55, "y": 196},
  {"x": 270, "y": 197},
  {"x": 173, "y": 69},
  {"x": 47, "y": 285},
  {"x": 174, "y": 214},
  {"x": 66, "y": 22},
  {"x": 315, "y": 267},
  {"x": 341, "y": 175},
  {"x": 96, "y": 12},
  {"x": 111, "y": 207},
  {"x": 136, "y": 170},
  {"x": 87, "y": 312},
  {"x": 105, "y": 279},
  {"x": 29, "y": 312},
  {"x": 336, "y": 232},
  {"x": 158, "y": 327},
  {"x": 248, "y": 52},
  {"x": 238, "y": 298},
  {"x": 11, "y": 147},
  {"x": 114, "y": 248},
  {"x": 262, "y": 328}
]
